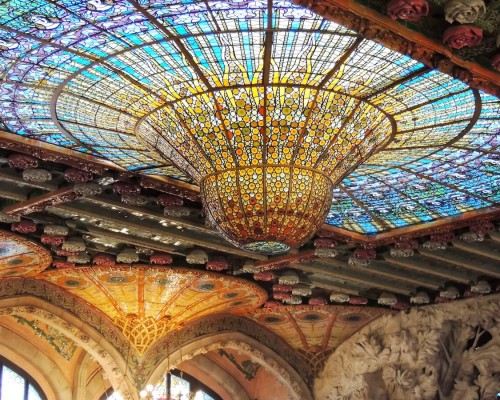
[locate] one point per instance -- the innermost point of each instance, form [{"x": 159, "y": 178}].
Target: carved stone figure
[{"x": 447, "y": 352}]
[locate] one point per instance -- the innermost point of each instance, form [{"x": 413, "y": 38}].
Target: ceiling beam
[
  {"x": 323, "y": 282},
  {"x": 174, "y": 233},
  {"x": 466, "y": 260},
  {"x": 431, "y": 267},
  {"x": 356, "y": 277},
  {"x": 384, "y": 269},
  {"x": 488, "y": 248},
  {"x": 107, "y": 201}
]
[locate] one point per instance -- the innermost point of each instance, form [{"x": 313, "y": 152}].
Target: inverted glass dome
[{"x": 267, "y": 106}]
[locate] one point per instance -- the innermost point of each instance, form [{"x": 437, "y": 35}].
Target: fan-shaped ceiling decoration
[
  {"x": 21, "y": 257},
  {"x": 264, "y": 104},
  {"x": 147, "y": 303}
]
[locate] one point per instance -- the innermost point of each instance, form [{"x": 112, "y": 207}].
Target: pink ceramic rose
[
  {"x": 495, "y": 61},
  {"x": 462, "y": 36},
  {"x": 407, "y": 10}
]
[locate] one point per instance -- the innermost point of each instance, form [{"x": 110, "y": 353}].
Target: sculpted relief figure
[{"x": 447, "y": 352}]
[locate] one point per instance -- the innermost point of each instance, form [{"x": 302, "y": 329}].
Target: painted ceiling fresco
[
  {"x": 313, "y": 328},
  {"x": 147, "y": 303},
  {"x": 112, "y": 78}
]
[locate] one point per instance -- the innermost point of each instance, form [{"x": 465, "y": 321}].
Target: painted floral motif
[
  {"x": 462, "y": 36},
  {"x": 464, "y": 11},
  {"x": 407, "y": 10}
]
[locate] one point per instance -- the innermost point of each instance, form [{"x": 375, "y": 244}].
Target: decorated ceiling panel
[
  {"x": 21, "y": 257},
  {"x": 316, "y": 329},
  {"x": 195, "y": 79},
  {"x": 147, "y": 303}
]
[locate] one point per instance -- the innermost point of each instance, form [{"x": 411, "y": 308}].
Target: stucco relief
[{"x": 449, "y": 351}]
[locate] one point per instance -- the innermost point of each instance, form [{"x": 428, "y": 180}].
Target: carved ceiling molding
[
  {"x": 60, "y": 298},
  {"x": 52, "y": 153},
  {"x": 242, "y": 344},
  {"x": 414, "y": 231},
  {"x": 21, "y": 256},
  {"x": 449, "y": 350},
  {"x": 380, "y": 28},
  {"x": 142, "y": 366},
  {"x": 220, "y": 324}
]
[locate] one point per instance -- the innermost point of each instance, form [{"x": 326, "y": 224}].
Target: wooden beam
[
  {"x": 466, "y": 260},
  {"x": 488, "y": 248},
  {"x": 13, "y": 191},
  {"x": 39, "y": 203},
  {"x": 325, "y": 283},
  {"x": 384, "y": 269},
  {"x": 106, "y": 201},
  {"x": 11, "y": 176},
  {"x": 495, "y": 236},
  {"x": 431, "y": 267},
  {"x": 141, "y": 242},
  {"x": 357, "y": 277},
  {"x": 206, "y": 241}
]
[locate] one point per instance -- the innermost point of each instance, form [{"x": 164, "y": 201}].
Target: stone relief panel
[{"x": 447, "y": 352}]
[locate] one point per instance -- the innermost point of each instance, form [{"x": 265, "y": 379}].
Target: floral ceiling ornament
[
  {"x": 461, "y": 36},
  {"x": 407, "y": 10},
  {"x": 464, "y": 11}
]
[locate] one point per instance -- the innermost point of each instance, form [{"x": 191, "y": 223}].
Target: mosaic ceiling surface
[
  {"x": 21, "y": 257},
  {"x": 147, "y": 303},
  {"x": 109, "y": 78},
  {"x": 316, "y": 328}
]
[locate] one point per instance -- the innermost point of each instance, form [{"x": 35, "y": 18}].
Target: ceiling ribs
[
  {"x": 442, "y": 183},
  {"x": 359, "y": 276},
  {"x": 476, "y": 264},
  {"x": 415, "y": 74},
  {"x": 430, "y": 101},
  {"x": 431, "y": 267},
  {"x": 362, "y": 206},
  {"x": 209, "y": 242}
]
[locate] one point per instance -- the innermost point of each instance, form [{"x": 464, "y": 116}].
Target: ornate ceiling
[
  {"x": 102, "y": 102},
  {"x": 116, "y": 79}
]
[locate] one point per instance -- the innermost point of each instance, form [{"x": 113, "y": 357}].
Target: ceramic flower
[
  {"x": 464, "y": 11},
  {"x": 407, "y": 10},
  {"x": 462, "y": 36}
]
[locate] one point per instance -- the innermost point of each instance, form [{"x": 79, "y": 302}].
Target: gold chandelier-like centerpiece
[
  {"x": 264, "y": 119},
  {"x": 268, "y": 157}
]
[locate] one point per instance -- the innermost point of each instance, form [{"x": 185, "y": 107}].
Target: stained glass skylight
[{"x": 116, "y": 78}]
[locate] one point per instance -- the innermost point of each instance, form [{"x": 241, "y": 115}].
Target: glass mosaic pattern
[{"x": 153, "y": 85}]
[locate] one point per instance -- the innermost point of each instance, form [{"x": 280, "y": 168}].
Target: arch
[
  {"x": 282, "y": 371},
  {"x": 23, "y": 354},
  {"x": 225, "y": 381},
  {"x": 113, "y": 364}
]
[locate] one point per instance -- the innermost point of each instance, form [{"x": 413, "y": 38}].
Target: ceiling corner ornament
[{"x": 21, "y": 257}]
